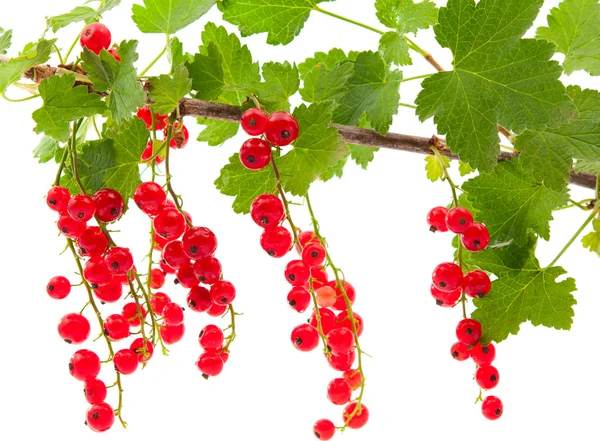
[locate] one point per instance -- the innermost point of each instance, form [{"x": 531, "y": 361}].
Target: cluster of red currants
[
  {"x": 450, "y": 285},
  {"x": 179, "y": 137}
]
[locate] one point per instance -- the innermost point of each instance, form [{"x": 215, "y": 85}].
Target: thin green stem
[
  {"x": 575, "y": 236},
  {"x": 158, "y": 57},
  {"x": 348, "y": 20},
  {"x": 447, "y": 177},
  {"x": 415, "y": 47},
  {"x": 232, "y": 335},
  {"x": 410, "y": 106},
  {"x": 417, "y": 77},
  {"x": 96, "y": 127},
  {"x": 71, "y": 48},
  {"x": 73, "y": 150},
  {"x": 285, "y": 202},
  {"x": 60, "y": 58},
  {"x": 61, "y": 166},
  {"x": 19, "y": 100}
]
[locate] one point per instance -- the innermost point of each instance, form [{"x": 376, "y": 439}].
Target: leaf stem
[
  {"x": 158, "y": 57},
  {"x": 61, "y": 166},
  {"x": 410, "y": 106},
  {"x": 71, "y": 48},
  {"x": 575, "y": 236},
  {"x": 19, "y": 100},
  {"x": 418, "y": 77},
  {"x": 285, "y": 202},
  {"x": 348, "y": 20},
  {"x": 60, "y": 58}
]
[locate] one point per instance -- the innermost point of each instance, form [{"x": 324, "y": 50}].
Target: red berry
[
  {"x": 436, "y": 219},
  {"x": 179, "y": 138},
  {"x": 210, "y": 364},
  {"x": 328, "y": 320},
  {"x": 476, "y": 284},
  {"x": 459, "y": 220},
  {"x": 305, "y": 337},
  {"x": 158, "y": 302},
  {"x": 57, "y": 199},
  {"x": 145, "y": 114},
  {"x": 222, "y": 292},
  {"x": 143, "y": 352},
  {"x": 69, "y": 227},
  {"x": 199, "y": 242},
  {"x": 468, "y": 331},
  {"x": 459, "y": 351},
  {"x": 282, "y": 129},
  {"x": 119, "y": 260},
  {"x": 445, "y": 298},
  {"x": 84, "y": 364},
  {"x": 126, "y": 361},
  {"x": 100, "y": 417},
  {"x": 340, "y": 341},
  {"x": 58, "y": 287},
  {"x": 169, "y": 224},
  {"x": 186, "y": 276},
  {"x": 174, "y": 255},
  {"x": 109, "y": 293},
  {"x": 94, "y": 390},
  {"x": 267, "y": 210},
  {"x": 343, "y": 321},
  {"x": 299, "y": 298},
  {"x": 133, "y": 315},
  {"x": 487, "y": 377},
  {"x": 149, "y": 153},
  {"x": 115, "y": 54},
  {"x": 447, "y": 276},
  {"x": 150, "y": 197},
  {"x": 173, "y": 314},
  {"x": 198, "y": 299},
  {"x": 354, "y": 378},
  {"x": 116, "y": 327},
  {"x": 319, "y": 276},
  {"x": 476, "y": 238},
  {"x": 157, "y": 278},
  {"x": 340, "y": 303},
  {"x": 297, "y": 273},
  {"x": 342, "y": 362},
  {"x": 339, "y": 391},
  {"x": 254, "y": 121},
  {"x": 211, "y": 338},
  {"x": 216, "y": 310},
  {"x": 313, "y": 254},
  {"x": 276, "y": 241},
  {"x": 95, "y": 37},
  {"x": 171, "y": 334},
  {"x": 324, "y": 430},
  {"x": 483, "y": 355},
  {"x": 305, "y": 237},
  {"x": 208, "y": 270},
  {"x": 109, "y": 205},
  {"x": 96, "y": 272},
  {"x": 166, "y": 268},
  {"x": 492, "y": 407},
  {"x": 93, "y": 242},
  {"x": 81, "y": 208},
  {"x": 356, "y": 419},
  {"x": 255, "y": 154},
  {"x": 74, "y": 328}
]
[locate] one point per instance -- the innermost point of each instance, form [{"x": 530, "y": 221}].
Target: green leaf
[
  {"x": 169, "y": 16},
  {"x": 329, "y": 60},
  {"x": 32, "y": 55},
  {"x": 591, "y": 241},
  {"x": 216, "y": 131},
  {"x": 434, "y": 167},
  {"x": 281, "y": 19},
  {"x": 5, "y": 40},
  {"x": 512, "y": 202},
  {"x": 106, "y": 73},
  {"x": 336, "y": 170},
  {"x": 394, "y": 49},
  {"x": 361, "y": 154},
  {"x": 506, "y": 258},
  {"x": 46, "y": 149},
  {"x": 165, "y": 92},
  {"x": 80, "y": 13},
  {"x": 498, "y": 78},
  {"x": 317, "y": 149},
  {"x": 464, "y": 168},
  {"x": 583, "y": 166},
  {"x": 281, "y": 81},
  {"x": 206, "y": 72},
  {"x": 405, "y": 15},
  {"x": 107, "y": 5},
  {"x": 236, "y": 180},
  {"x": 574, "y": 26},
  {"x": 373, "y": 89},
  {"x": 550, "y": 153},
  {"x": 176, "y": 55},
  {"x": 64, "y": 103},
  {"x": 322, "y": 84}
]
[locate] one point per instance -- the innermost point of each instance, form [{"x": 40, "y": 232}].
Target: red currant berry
[
  {"x": 222, "y": 292},
  {"x": 459, "y": 351},
  {"x": 297, "y": 273},
  {"x": 174, "y": 255},
  {"x": 254, "y": 121},
  {"x": 100, "y": 417},
  {"x": 324, "y": 430},
  {"x": 169, "y": 224},
  {"x": 95, "y": 37},
  {"x": 328, "y": 320},
  {"x": 158, "y": 302},
  {"x": 445, "y": 298},
  {"x": 93, "y": 242},
  {"x": 109, "y": 205},
  {"x": 179, "y": 138},
  {"x": 58, "y": 287},
  {"x": 340, "y": 341},
  {"x": 143, "y": 351},
  {"x": 447, "y": 276},
  {"x": 305, "y": 237},
  {"x": 476, "y": 238},
  {"x": 459, "y": 220},
  {"x": 313, "y": 254},
  {"x": 492, "y": 407},
  {"x": 476, "y": 284},
  {"x": 276, "y": 241},
  {"x": 319, "y": 276},
  {"x": 355, "y": 419},
  {"x": 173, "y": 314},
  {"x": 70, "y": 228},
  {"x": 172, "y": 334},
  {"x": 487, "y": 377},
  {"x": 208, "y": 270},
  {"x": 84, "y": 364},
  {"x": 186, "y": 276},
  {"x": 74, "y": 328},
  {"x": 436, "y": 219},
  {"x": 148, "y": 153},
  {"x": 119, "y": 260},
  {"x": 210, "y": 364},
  {"x": 94, "y": 390},
  {"x": 126, "y": 361},
  {"x": 339, "y": 391},
  {"x": 305, "y": 337},
  {"x": 343, "y": 321},
  {"x": 340, "y": 303},
  {"x": 224, "y": 355},
  {"x": 166, "y": 267},
  {"x": 157, "y": 278},
  {"x": 150, "y": 197},
  {"x": 354, "y": 378},
  {"x": 325, "y": 296},
  {"x": 299, "y": 298},
  {"x": 58, "y": 199},
  {"x": 109, "y": 293},
  {"x": 199, "y": 242},
  {"x": 255, "y": 154},
  {"x": 116, "y": 327},
  {"x": 211, "y": 338},
  {"x": 216, "y": 310},
  {"x": 282, "y": 129},
  {"x": 468, "y": 331},
  {"x": 198, "y": 299},
  {"x": 81, "y": 208},
  {"x": 133, "y": 315},
  {"x": 267, "y": 210},
  {"x": 342, "y": 362},
  {"x": 483, "y": 355},
  {"x": 145, "y": 114},
  {"x": 96, "y": 272}
]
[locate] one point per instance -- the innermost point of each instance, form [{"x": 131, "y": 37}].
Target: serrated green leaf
[
  {"x": 512, "y": 202},
  {"x": 169, "y": 16},
  {"x": 46, "y": 150},
  {"x": 79, "y": 13},
  {"x": 373, "y": 89},
  {"x": 329, "y": 60},
  {"x": 236, "y": 180},
  {"x": 583, "y": 166},
  {"x": 434, "y": 166},
  {"x": 464, "y": 168},
  {"x": 336, "y": 170},
  {"x": 64, "y": 103},
  {"x": 498, "y": 78},
  {"x": 317, "y": 149},
  {"x": 574, "y": 26},
  {"x": 361, "y": 154},
  {"x": 322, "y": 84},
  {"x": 394, "y": 49},
  {"x": 5, "y": 40},
  {"x": 503, "y": 259},
  {"x": 216, "y": 131},
  {"x": 165, "y": 92},
  {"x": 591, "y": 241},
  {"x": 32, "y": 55},
  {"x": 206, "y": 72},
  {"x": 176, "y": 55},
  {"x": 405, "y": 15},
  {"x": 107, "y": 5},
  {"x": 281, "y": 81},
  {"x": 106, "y": 73}
]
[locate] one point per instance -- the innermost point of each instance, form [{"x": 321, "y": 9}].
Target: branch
[{"x": 365, "y": 137}]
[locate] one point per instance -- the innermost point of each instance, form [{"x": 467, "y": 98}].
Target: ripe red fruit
[
  {"x": 313, "y": 254},
  {"x": 126, "y": 361},
  {"x": 342, "y": 362},
  {"x": 57, "y": 199},
  {"x": 145, "y": 114},
  {"x": 276, "y": 241},
  {"x": 328, "y": 320},
  {"x": 144, "y": 354},
  {"x": 459, "y": 220},
  {"x": 165, "y": 267},
  {"x": 216, "y": 310},
  {"x": 476, "y": 284},
  {"x": 95, "y": 37},
  {"x": 339, "y": 391},
  {"x": 94, "y": 390},
  {"x": 282, "y": 129},
  {"x": 93, "y": 242},
  {"x": 171, "y": 334},
  {"x": 340, "y": 341},
  {"x": 210, "y": 364},
  {"x": 179, "y": 138},
  {"x": 158, "y": 302},
  {"x": 476, "y": 238},
  {"x": 326, "y": 296},
  {"x": 198, "y": 299},
  {"x": 468, "y": 331},
  {"x": 255, "y": 154},
  {"x": 299, "y": 298},
  {"x": 222, "y": 292},
  {"x": 116, "y": 327},
  {"x": 199, "y": 242},
  {"x": 100, "y": 417},
  {"x": 119, "y": 260},
  {"x": 74, "y": 328},
  {"x": 130, "y": 312},
  {"x": 305, "y": 337},
  {"x": 305, "y": 237},
  {"x": 58, "y": 287},
  {"x": 169, "y": 224},
  {"x": 208, "y": 270},
  {"x": 174, "y": 255},
  {"x": 324, "y": 429},
  {"x": 340, "y": 303},
  {"x": 297, "y": 273},
  {"x": 459, "y": 351},
  {"x": 109, "y": 205},
  {"x": 354, "y": 378},
  {"x": 254, "y": 121},
  {"x": 447, "y": 276},
  {"x": 211, "y": 338},
  {"x": 150, "y": 197},
  {"x": 149, "y": 153},
  {"x": 69, "y": 227},
  {"x": 487, "y": 377},
  {"x": 186, "y": 276},
  {"x": 319, "y": 276},
  {"x": 173, "y": 314},
  {"x": 267, "y": 210},
  {"x": 343, "y": 321},
  {"x": 359, "y": 419},
  {"x": 483, "y": 355},
  {"x": 81, "y": 207},
  {"x": 109, "y": 293},
  {"x": 445, "y": 298},
  {"x": 492, "y": 407},
  {"x": 96, "y": 272},
  {"x": 436, "y": 219},
  {"x": 157, "y": 278},
  {"x": 84, "y": 364}
]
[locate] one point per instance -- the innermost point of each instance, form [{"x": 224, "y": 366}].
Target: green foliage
[
  {"x": 498, "y": 78},
  {"x": 79, "y": 13},
  {"x": 434, "y": 166},
  {"x": 32, "y": 55},
  {"x": 169, "y": 16},
  {"x": 591, "y": 241},
  {"x": 165, "y": 91},
  {"x": 206, "y": 72},
  {"x": 5, "y": 40},
  {"x": 46, "y": 150},
  {"x": 329, "y": 60},
  {"x": 280, "y": 82},
  {"x": 176, "y": 55},
  {"x": 394, "y": 49},
  {"x": 322, "y": 84}
]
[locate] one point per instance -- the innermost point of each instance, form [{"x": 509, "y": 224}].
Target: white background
[{"x": 374, "y": 223}]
